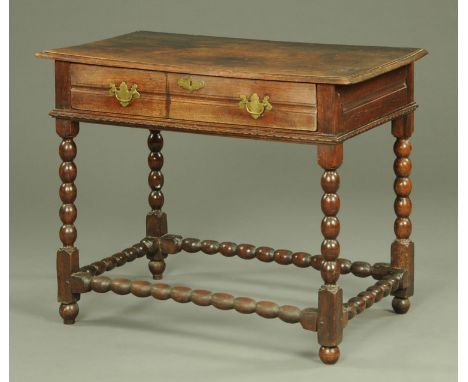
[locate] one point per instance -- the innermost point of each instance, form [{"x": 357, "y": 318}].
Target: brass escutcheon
[
  {"x": 190, "y": 84},
  {"x": 123, "y": 94},
  {"x": 253, "y": 105}
]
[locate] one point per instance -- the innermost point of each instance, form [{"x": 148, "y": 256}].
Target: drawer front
[
  {"x": 293, "y": 104},
  {"x": 217, "y": 102},
  {"x": 90, "y": 90}
]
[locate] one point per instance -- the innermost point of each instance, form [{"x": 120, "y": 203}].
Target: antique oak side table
[{"x": 290, "y": 92}]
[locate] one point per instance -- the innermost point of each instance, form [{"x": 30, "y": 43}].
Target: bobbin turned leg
[
  {"x": 156, "y": 221},
  {"x": 67, "y": 256},
  {"x": 330, "y": 296},
  {"x": 402, "y": 250}
]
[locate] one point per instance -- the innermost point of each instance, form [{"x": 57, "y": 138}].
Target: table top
[{"x": 240, "y": 58}]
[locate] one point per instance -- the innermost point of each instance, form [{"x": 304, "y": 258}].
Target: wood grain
[
  {"x": 402, "y": 249},
  {"x": 67, "y": 260},
  {"x": 225, "y": 130},
  {"x": 156, "y": 220},
  {"x": 218, "y": 102},
  {"x": 182, "y": 294},
  {"x": 90, "y": 99},
  {"x": 62, "y": 85},
  {"x": 366, "y": 101},
  {"x": 330, "y": 296},
  {"x": 321, "y": 94},
  {"x": 347, "y": 96},
  {"x": 101, "y": 77},
  {"x": 228, "y": 112},
  {"x": 330, "y": 328},
  {"x": 241, "y": 58},
  {"x": 231, "y": 88},
  {"x": 342, "y": 109}
]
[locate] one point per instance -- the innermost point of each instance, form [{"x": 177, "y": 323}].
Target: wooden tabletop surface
[{"x": 241, "y": 58}]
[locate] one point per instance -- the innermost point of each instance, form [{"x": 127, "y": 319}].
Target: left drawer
[{"x": 90, "y": 87}]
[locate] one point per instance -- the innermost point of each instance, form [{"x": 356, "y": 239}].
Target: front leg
[
  {"x": 67, "y": 256},
  {"x": 330, "y": 297},
  {"x": 156, "y": 220},
  {"x": 402, "y": 250}
]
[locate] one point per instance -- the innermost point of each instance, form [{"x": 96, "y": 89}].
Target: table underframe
[{"x": 331, "y": 315}]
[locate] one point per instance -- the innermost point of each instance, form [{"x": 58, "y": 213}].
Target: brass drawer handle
[
  {"x": 190, "y": 84},
  {"x": 253, "y": 105},
  {"x": 123, "y": 95}
]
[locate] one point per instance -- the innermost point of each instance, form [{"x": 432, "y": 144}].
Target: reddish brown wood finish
[
  {"x": 172, "y": 244},
  {"x": 141, "y": 249},
  {"x": 85, "y": 282},
  {"x": 316, "y": 99},
  {"x": 67, "y": 256},
  {"x": 218, "y": 102},
  {"x": 364, "y": 102},
  {"x": 344, "y": 109},
  {"x": 330, "y": 297},
  {"x": 69, "y": 312},
  {"x": 402, "y": 249},
  {"x": 390, "y": 283},
  {"x": 321, "y": 94},
  {"x": 67, "y": 263},
  {"x": 62, "y": 85},
  {"x": 99, "y": 77},
  {"x": 89, "y": 99},
  {"x": 329, "y": 355},
  {"x": 225, "y": 130},
  {"x": 294, "y": 104},
  {"x": 156, "y": 220},
  {"x": 253, "y": 59}
]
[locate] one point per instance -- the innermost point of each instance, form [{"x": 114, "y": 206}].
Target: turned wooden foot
[
  {"x": 401, "y": 305},
  {"x": 329, "y": 355},
  {"x": 69, "y": 312},
  {"x": 157, "y": 268}
]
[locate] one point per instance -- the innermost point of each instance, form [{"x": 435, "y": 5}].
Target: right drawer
[{"x": 289, "y": 105}]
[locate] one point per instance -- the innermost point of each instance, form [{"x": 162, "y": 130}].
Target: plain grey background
[{"x": 263, "y": 193}]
